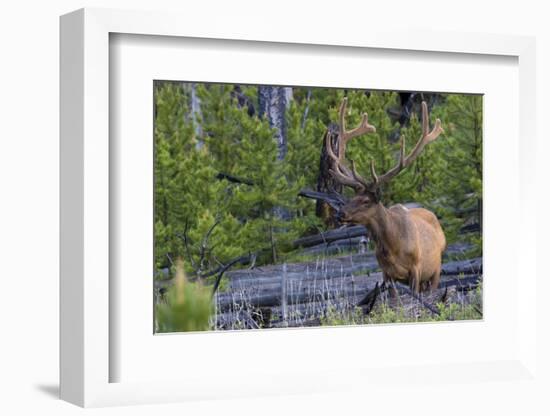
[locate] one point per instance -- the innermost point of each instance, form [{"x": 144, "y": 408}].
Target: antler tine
[
  {"x": 402, "y": 153},
  {"x": 340, "y": 171},
  {"x": 393, "y": 171},
  {"x": 373, "y": 172},
  {"x": 347, "y": 180},
  {"x": 363, "y": 128},
  {"x": 339, "y": 167},
  {"x": 436, "y": 131},
  {"x": 342, "y": 116},
  {"x": 331, "y": 154},
  {"x": 427, "y": 137},
  {"x": 425, "y": 119}
]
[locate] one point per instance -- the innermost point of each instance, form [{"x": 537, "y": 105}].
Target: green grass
[{"x": 383, "y": 313}]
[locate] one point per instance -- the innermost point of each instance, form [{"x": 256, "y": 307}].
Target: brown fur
[{"x": 409, "y": 242}]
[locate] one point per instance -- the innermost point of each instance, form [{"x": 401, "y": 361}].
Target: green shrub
[{"x": 187, "y": 307}]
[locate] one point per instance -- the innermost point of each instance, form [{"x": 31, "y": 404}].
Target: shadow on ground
[{"x": 51, "y": 390}]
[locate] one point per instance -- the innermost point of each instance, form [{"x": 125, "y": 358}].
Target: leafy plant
[{"x": 187, "y": 306}]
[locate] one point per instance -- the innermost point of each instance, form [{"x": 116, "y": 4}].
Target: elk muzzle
[{"x": 342, "y": 216}]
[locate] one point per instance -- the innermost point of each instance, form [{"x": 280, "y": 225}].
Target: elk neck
[{"x": 381, "y": 228}]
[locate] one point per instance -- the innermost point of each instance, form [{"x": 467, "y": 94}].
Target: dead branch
[{"x": 404, "y": 289}]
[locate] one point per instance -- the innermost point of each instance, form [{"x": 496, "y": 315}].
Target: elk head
[{"x": 367, "y": 193}]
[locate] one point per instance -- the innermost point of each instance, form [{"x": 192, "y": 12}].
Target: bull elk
[{"x": 409, "y": 242}]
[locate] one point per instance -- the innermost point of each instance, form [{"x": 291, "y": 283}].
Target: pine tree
[
  {"x": 462, "y": 117},
  {"x": 183, "y": 176},
  {"x": 305, "y": 133},
  {"x": 210, "y": 221}
]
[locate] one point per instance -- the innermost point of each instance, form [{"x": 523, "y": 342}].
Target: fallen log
[
  {"x": 338, "y": 267},
  {"x": 470, "y": 228},
  {"x": 321, "y": 290},
  {"x": 463, "y": 283},
  {"x": 295, "y": 283},
  {"x": 330, "y": 236},
  {"x": 341, "y": 247},
  {"x": 306, "y": 308},
  {"x": 333, "y": 270},
  {"x": 335, "y": 200},
  {"x": 469, "y": 266},
  {"x": 456, "y": 250},
  {"x": 257, "y": 299},
  {"x": 362, "y": 267}
]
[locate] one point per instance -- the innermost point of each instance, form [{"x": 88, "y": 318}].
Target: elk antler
[
  {"x": 350, "y": 177},
  {"x": 427, "y": 137},
  {"x": 340, "y": 171}
]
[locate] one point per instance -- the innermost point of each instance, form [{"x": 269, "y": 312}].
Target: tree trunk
[
  {"x": 325, "y": 182},
  {"x": 273, "y": 103},
  {"x": 196, "y": 115}
]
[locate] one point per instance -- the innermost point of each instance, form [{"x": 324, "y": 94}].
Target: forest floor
[{"x": 342, "y": 287}]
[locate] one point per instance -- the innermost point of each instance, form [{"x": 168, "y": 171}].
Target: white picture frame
[{"x": 86, "y": 356}]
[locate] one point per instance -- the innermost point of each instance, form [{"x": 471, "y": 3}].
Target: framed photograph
[{"x": 281, "y": 213}]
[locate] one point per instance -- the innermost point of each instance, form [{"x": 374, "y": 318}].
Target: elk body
[{"x": 409, "y": 242}]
